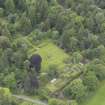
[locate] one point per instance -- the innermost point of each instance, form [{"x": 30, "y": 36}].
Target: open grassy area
[
  {"x": 98, "y": 98},
  {"x": 51, "y": 55}
]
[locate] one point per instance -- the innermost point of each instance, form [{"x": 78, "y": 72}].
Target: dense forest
[{"x": 51, "y": 50}]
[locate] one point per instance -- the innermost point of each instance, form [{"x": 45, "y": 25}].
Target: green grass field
[
  {"x": 51, "y": 55},
  {"x": 98, "y": 98}
]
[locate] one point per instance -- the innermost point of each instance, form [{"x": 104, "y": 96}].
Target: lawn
[
  {"x": 98, "y": 98},
  {"x": 51, "y": 55}
]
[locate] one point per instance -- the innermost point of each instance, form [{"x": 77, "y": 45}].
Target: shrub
[
  {"x": 73, "y": 102},
  {"x": 75, "y": 90},
  {"x": 56, "y": 102},
  {"x": 1, "y": 12},
  {"x": 90, "y": 80},
  {"x": 4, "y": 42},
  {"x": 53, "y": 72}
]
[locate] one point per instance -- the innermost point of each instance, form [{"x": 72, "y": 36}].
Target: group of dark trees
[{"x": 33, "y": 71}]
